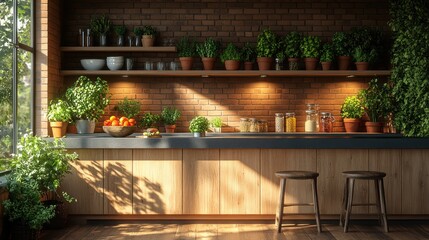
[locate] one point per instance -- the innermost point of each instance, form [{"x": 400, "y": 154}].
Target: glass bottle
[
  {"x": 253, "y": 127},
  {"x": 244, "y": 125},
  {"x": 290, "y": 122},
  {"x": 326, "y": 122},
  {"x": 315, "y": 107},
  {"x": 280, "y": 122},
  {"x": 311, "y": 121}
]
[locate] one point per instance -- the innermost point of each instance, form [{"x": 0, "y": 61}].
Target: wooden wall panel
[
  {"x": 201, "y": 181},
  {"x": 85, "y": 182},
  {"x": 330, "y": 164},
  {"x": 240, "y": 181},
  {"x": 157, "y": 182},
  {"x": 388, "y": 161},
  {"x": 118, "y": 179},
  {"x": 415, "y": 181},
  {"x": 273, "y": 160}
]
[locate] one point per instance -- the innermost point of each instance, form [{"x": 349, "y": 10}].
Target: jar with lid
[
  {"x": 253, "y": 126},
  {"x": 244, "y": 125},
  {"x": 280, "y": 122},
  {"x": 315, "y": 107},
  {"x": 311, "y": 121},
  {"x": 290, "y": 122},
  {"x": 326, "y": 122},
  {"x": 263, "y": 125}
]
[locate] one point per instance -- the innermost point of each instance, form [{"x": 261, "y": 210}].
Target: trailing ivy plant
[{"x": 410, "y": 61}]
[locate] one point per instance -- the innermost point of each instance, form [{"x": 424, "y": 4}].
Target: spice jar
[
  {"x": 326, "y": 122},
  {"x": 315, "y": 107},
  {"x": 311, "y": 121},
  {"x": 280, "y": 122},
  {"x": 253, "y": 126},
  {"x": 290, "y": 121},
  {"x": 244, "y": 125},
  {"x": 263, "y": 125}
]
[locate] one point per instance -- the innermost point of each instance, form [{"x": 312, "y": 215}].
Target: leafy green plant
[
  {"x": 248, "y": 53},
  {"x": 59, "y": 111},
  {"x": 375, "y": 100},
  {"x": 267, "y": 44},
  {"x": 169, "y": 115},
  {"x": 209, "y": 48},
  {"x": 216, "y": 122},
  {"x": 88, "y": 98},
  {"x": 199, "y": 124},
  {"x": 352, "y": 108},
  {"x": 149, "y": 30},
  {"x": 100, "y": 25},
  {"x": 292, "y": 43},
  {"x": 138, "y": 31},
  {"x": 149, "y": 120},
  {"x": 342, "y": 44},
  {"x": 186, "y": 47},
  {"x": 120, "y": 30},
  {"x": 310, "y": 46},
  {"x": 361, "y": 55},
  {"x": 231, "y": 52},
  {"x": 128, "y": 108},
  {"x": 327, "y": 53}
]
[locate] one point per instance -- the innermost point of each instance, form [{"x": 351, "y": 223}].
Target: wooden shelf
[
  {"x": 224, "y": 73},
  {"x": 118, "y": 49}
]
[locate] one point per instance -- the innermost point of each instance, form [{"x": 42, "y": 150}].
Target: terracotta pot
[
  {"x": 344, "y": 62},
  {"x": 170, "y": 128},
  {"x": 351, "y": 124},
  {"x": 58, "y": 129},
  {"x": 362, "y": 66},
  {"x": 326, "y": 66},
  {"x": 71, "y": 128},
  {"x": 148, "y": 40},
  {"x": 374, "y": 127},
  {"x": 232, "y": 65},
  {"x": 186, "y": 62},
  {"x": 208, "y": 63},
  {"x": 311, "y": 63},
  {"x": 293, "y": 63},
  {"x": 248, "y": 65},
  {"x": 264, "y": 63}
]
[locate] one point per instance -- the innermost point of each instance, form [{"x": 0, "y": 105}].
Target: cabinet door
[
  {"x": 118, "y": 179},
  {"x": 240, "y": 181},
  {"x": 85, "y": 182},
  {"x": 201, "y": 181},
  {"x": 273, "y": 160},
  {"x": 157, "y": 183}
]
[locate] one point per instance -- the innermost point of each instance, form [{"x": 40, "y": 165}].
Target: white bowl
[
  {"x": 115, "y": 63},
  {"x": 92, "y": 64}
]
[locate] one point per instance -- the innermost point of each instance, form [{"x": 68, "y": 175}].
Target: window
[{"x": 16, "y": 73}]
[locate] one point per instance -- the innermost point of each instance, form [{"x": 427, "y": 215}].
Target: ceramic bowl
[
  {"x": 119, "y": 131},
  {"x": 92, "y": 64},
  {"x": 115, "y": 63}
]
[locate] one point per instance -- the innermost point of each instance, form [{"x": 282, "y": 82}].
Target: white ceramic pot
[{"x": 115, "y": 63}]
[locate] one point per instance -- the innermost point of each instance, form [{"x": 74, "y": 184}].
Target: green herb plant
[
  {"x": 292, "y": 43},
  {"x": 170, "y": 115},
  {"x": 128, "y": 108},
  {"x": 327, "y": 53},
  {"x": 310, "y": 47},
  {"x": 231, "y": 52},
  {"x": 342, "y": 44},
  {"x": 149, "y": 30},
  {"x": 199, "y": 124},
  {"x": 208, "y": 49},
  {"x": 375, "y": 100},
  {"x": 100, "y": 25},
  {"x": 352, "y": 108},
  {"x": 59, "y": 111},
  {"x": 266, "y": 44},
  {"x": 120, "y": 30},
  {"x": 138, "y": 31},
  {"x": 362, "y": 55},
  {"x": 248, "y": 53},
  {"x": 149, "y": 120},
  {"x": 216, "y": 122},
  {"x": 186, "y": 47}
]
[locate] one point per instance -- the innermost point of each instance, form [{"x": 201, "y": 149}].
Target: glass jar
[
  {"x": 263, "y": 125},
  {"x": 311, "y": 121},
  {"x": 280, "y": 122},
  {"x": 244, "y": 125},
  {"x": 315, "y": 107},
  {"x": 253, "y": 127},
  {"x": 326, "y": 122},
  {"x": 290, "y": 122}
]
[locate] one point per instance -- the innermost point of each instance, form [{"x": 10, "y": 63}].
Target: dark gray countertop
[{"x": 248, "y": 140}]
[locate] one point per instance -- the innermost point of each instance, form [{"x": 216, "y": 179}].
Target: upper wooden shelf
[
  {"x": 224, "y": 73},
  {"x": 118, "y": 49}
]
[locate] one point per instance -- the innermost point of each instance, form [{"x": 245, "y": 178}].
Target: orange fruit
[
  {"x": 126, "y": 124},
  {"x": 115, "y": 123},
  {"x": 107, "y": 122},
  {"x": 132, "y": 120},
  {"x": 113, "y": 118},
  {"x": 132, "y": 124},
  {"x": 123, "y": 119}
]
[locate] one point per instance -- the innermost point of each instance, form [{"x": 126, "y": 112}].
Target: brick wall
[{"x": 228, "y": 21}]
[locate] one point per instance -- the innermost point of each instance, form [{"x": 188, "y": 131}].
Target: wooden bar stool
[
  {"x": 347, "y": 205},
  {"x": 297, "y": 175}
]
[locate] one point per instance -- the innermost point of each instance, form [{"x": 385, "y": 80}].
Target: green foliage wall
[{"x": 410, "y": 60}]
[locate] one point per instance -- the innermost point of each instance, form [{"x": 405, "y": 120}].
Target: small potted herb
[
  {"x": 149, "y": 34},
  {"x": 231, "y": 57},
  {"x": 169, "y": 116},
  {"x": 248, "y": 55},
  {"x": 327, "y": 56},
  {"x": 363, "y": 57},
  {"x": 198, "y": 126},
  {"x": 149, "y": 120},
  {"x": 351, "y": 112},
  {"x": 216, "y": 123},
  {"x": 266, "y": 47},
  {"x": 292, "y": 42},
  {"x": 208, "y": 51},
  {"x": 128, "y": 108},
  {"x": 310, "y": 48},
  {"x": 101, "y": 26},
  {"x": 342, "y": 46},
  {"x": 138, "y": 32},
  {"x": 59, "y": 115},
  {"x": 120, "y": 31},
  {"x": 186, "y": 52}
]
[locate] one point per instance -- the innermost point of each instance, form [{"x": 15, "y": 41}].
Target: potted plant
[
  {"x": 128, "y": 108},
  {"x": 149, "y": 120},
  {"x": 186, "y": 52},
  {"x": 101, "y": 26},
  {"x": 292, "y": 43},
  {"x": 138, "y": 32},
  {"x": 87, "y": 99},
  {"x": 266, "y": 47},
  {"x": 363, "y": 57},
  {"x": 351, "y": 112},
  {"x": 208, "y": 51},
  {"x": 120, "y": 31},
  {"x": 216, "y": 123},
  {"x": 59, "y": 115},
  {"x": 327, "y": 56},
  {"x": 310, "y": 48},
  {"x": 376, "y": 102},
  {"x": 342, "y": 48},
  {"x": 199, "y": 125},
  {"x": 149, "y": 34},
  {"x": 231, "y": 57},
  {"x": 248, "y": 55},
  {"x": 169, "y": 116}
]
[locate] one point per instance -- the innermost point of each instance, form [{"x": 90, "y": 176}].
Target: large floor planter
[
  {"x": 208, "y": 63},
  {"x": 85, "y": 126},
  {"x": 351, "y": 124},
  {"x": 264, "y": 63},
  {"x": 186, "y": 62},
  {"x": 344, "y": 62},
  {"x": 362, "y": 66},
  {"x": 374, "y": 127},
  {"x": 232, "y": 65},
  {"x": 59, "y": 129},
  {"x": 311, "y": 63}
]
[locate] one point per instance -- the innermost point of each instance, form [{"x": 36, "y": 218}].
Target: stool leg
[
  {"x": 377, "y": 199},
  {"x": 349, "y": 203},
  {"x": 383, "y": 204},
  {"x": 280, "y": 207},
  {"x": 316, "y": 205},
  {"x": 344, "y": 203}
]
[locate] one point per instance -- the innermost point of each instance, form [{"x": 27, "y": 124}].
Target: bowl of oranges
[{"x": 119, "y": 127}]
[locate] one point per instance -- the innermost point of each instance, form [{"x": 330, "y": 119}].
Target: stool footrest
[
  {"x": 298, "y": 204},
  {"x": 364, "y": 204}
]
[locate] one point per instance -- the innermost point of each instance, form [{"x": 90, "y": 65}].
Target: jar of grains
[
  {"x": 280, "y": 122},
  {"x": 326, "y": 122},
  {"x": 290, "y": 122},
  {"x": 244, "y": 125},
  {"x": 311, "y": 121},
  {"x": 253, "y": 127}
]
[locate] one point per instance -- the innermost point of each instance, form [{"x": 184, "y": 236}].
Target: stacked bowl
[
  {"x": 115, "y": 63},
  {"x": 92, "y": 64}
]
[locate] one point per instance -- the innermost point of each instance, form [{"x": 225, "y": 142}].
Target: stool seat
[
  {"x": 297, "y": 174},
  {"x": 364, "y": 174}
]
